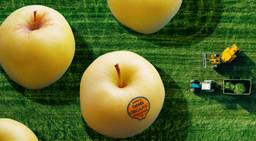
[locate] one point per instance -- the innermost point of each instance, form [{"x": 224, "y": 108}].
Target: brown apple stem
[
  {"x": 120, "y": 82},
  {"x": 35, "y": 16}
]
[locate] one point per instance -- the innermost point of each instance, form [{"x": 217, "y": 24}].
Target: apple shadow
[
  {"x": 172, "y": 123},
  {"x": 241, "y": 68},
  {"x": 195, "y": 21},
  {"x": 65, "y": 90}
]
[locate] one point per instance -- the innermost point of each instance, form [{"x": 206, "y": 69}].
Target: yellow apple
[
  {"x": 37, "y": 46},
  {"x": 11, "y": 130},
  {"x": 121, "y": 94},
  {"x": 144, "y": 16}
]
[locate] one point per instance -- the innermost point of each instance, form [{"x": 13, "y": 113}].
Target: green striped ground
[{"x": 200, "y": 26}]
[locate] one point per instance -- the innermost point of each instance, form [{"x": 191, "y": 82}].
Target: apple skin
[
  {"x": 11, "y": 130},
  {"x": 36, "y": 58},
  {"x": 144, "y": 16},
  {"x": 104, "y": 104}
]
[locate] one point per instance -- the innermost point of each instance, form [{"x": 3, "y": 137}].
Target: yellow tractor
[{"x": 227, "y": 56}]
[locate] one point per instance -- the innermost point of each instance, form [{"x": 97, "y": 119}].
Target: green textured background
[{"x": 200, "y": 26}]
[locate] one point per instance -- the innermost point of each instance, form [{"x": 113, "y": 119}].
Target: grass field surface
[{"x": 200, "y": 26}]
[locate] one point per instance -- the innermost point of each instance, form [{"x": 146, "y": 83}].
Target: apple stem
[
  {"x": 120, "y": 82},
  {"x": 35, "y": 16}
]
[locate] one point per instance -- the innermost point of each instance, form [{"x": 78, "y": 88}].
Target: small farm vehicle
[
  {"x": 230, "y": 86},
  {"x": 227, "y": 56},
  {"x": 206, "y": 85}
]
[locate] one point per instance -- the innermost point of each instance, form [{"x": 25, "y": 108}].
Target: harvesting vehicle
[{"x": 227, "y": 56}]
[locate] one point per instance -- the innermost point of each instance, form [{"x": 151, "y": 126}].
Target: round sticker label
[{"x": 138, "y": 108}]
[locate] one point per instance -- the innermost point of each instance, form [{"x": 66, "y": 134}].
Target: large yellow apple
[
  {"x": 11, "y": 130},
  {"x": 144, "y": 16},
  {"x": 37, "y": 46},
  {"x": 121, "y": 94}
]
